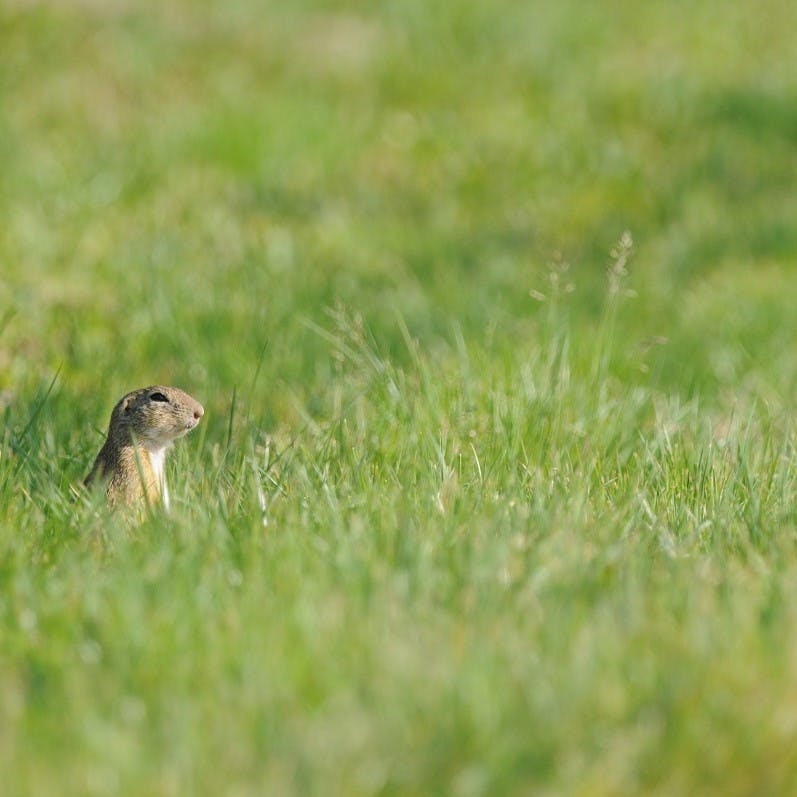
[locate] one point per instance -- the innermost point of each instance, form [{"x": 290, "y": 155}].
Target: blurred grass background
[{"x": 526, "y": 533}]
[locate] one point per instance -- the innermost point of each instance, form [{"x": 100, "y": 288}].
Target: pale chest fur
[{"x": 157, "y": 461}]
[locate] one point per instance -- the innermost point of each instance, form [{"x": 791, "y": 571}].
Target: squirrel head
[{"x": 155, "y": 416}]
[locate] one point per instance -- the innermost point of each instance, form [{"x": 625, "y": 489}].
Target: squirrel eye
[{"x": 158, "y": 397}]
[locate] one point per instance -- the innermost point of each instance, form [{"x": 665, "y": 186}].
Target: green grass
[{"x": 490, "y": 497}]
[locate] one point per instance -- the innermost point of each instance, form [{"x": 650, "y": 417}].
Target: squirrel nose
[{"x": 199, "y": 411}]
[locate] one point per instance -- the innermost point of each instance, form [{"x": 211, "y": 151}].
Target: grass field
[{"x": 491, "y": 306}]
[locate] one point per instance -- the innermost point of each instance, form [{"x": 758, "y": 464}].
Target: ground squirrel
[{"x": 144, "y": 424}]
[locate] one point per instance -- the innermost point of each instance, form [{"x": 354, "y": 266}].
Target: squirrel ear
[{"x": 126, "y": 405}]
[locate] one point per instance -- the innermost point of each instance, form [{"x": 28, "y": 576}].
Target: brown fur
[{"x": 141, "y": 431}]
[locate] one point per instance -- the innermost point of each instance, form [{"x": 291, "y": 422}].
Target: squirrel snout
[{"x": 199, "y": 411}]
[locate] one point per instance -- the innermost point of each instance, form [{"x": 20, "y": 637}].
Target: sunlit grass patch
[{"x": 490, "y": 496}]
